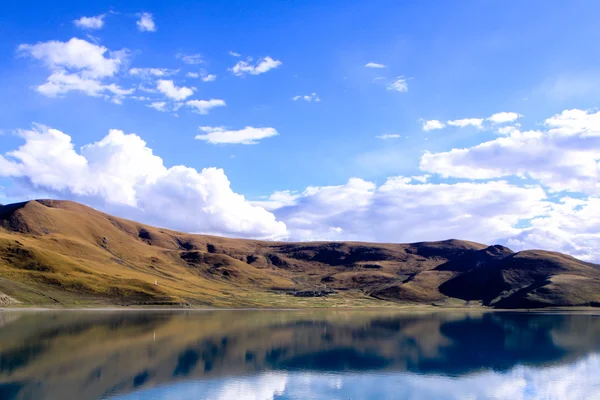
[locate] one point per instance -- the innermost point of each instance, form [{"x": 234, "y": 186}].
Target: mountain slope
[{"x": 64, "y": 253}]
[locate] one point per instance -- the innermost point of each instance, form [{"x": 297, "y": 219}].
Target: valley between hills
[{"x": 63, "y": 254}]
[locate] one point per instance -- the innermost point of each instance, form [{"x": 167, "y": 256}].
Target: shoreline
[{"x": 406, "y": 309}]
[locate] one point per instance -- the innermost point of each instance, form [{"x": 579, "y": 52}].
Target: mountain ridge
[{"x": 57, "y": 252}]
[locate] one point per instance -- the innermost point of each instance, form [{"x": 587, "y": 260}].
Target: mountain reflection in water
[{"x": 297, "y": 355}]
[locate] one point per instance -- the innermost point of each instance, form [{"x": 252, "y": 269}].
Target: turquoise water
[{"x": 245, "y": 355}]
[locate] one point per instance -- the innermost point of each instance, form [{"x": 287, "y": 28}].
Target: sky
[
  {"x": 377, "y": 121},
  {"x": 577, "y": 380}
]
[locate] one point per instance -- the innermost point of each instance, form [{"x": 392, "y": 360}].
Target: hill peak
[{"x": 63, "y": 252}]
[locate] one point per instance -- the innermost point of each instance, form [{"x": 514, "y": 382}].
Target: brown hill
[{"x": 64, "y": 253}]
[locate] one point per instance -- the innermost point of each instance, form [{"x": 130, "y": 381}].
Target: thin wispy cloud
[
  {"x": 308, "y": 98},
  {"x": 191, "y": 59},
  {"x": 158, "y": 106},
  {"x": 247, "y": 135},
  {"x": 204, "y": 106},
  {"x": 263, "y": 65},
  {"x": 152, "y": 72},
  {"x": 461, "y": 123},
  {"x": 145, "y": 23},
  {"x": 398, "y": 85}
]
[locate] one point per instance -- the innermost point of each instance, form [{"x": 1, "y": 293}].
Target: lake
[{"x": 320, "y": 354}]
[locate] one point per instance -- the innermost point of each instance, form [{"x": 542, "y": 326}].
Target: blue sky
[
  {"x": 577, "y": 380},
  {"x": 326, "y": 173}
]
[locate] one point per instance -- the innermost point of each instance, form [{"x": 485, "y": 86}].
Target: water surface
[{"x": 325, "y": 354}]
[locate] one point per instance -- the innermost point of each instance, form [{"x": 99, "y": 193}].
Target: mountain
[{"x": 65, "y": 254}]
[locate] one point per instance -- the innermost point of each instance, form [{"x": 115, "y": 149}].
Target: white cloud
[
  {"x": 388, "y": 136},
  {"x": 192, "y": 59},
  {"x": 308, "y": 97},
  {"x": 568, "y": 380},
  {"x": 406, "y": 209},
  {"x": 374, "y": 65},
  {"x": 503, "y": 117},
  {"x": 202, "y": 74},
  {"x": 399, "y": 85},
  {"x": 563, "y": 157},
  {"x": 461, "y": 123},
  {"x": 60, "y": 83},
  {"x": 152, "y": 72},
  {"x": 159, "y": 106},
  {"x": 168, "y": 88},
  {"x": 505, "y": 130},
  {"x": 91, "y": 60},
  {"x": 121, "y": 175},
  {"x": 248, "y": 135},
  {"x": 497, "y": 118},
  {"x": 263, "y": 65},
  {"x": 265, "y": 386},
  {"x": 94, "y": 23},
  {"x": 433, "y": 124},
  {"x": 80, "y": 66},
  {"x": 146, "y": 23},
  {"x": 278, "y": 200},
  {"x": 234, "y": 54},
  {"x": 204, "y": 106}
]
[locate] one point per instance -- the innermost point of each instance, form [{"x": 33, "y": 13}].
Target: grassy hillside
[{"x": 66, "y": 254}]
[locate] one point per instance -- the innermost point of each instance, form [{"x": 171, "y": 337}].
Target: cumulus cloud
[
  {"x": 76, "y": 55},
  {"x": 204, "y": 106},
  {"x": 505, "y": 130},
  {"x": 406, "y": 209},
  {"x": 503, "y": 117},
  {"x": 263, "y": 65},
  {"x": 247, "y": 135},
  {"x": 562, "y": 157},
  {"x": 121, "y": 174},
  {"x": 433, "y": 124},
  {"x": 192, "y": 59},
  {"x": 308, "y": 98},
  {"x": 145, "y": 23},
  {"x": 209, "y": 78},
  {"x": 92, "y": 23},
  {"x": 374, "y": 65},
  {"x": 168, "y": 88},
  {"x": 399, "y": 85},
  {"x": 80, "y": 66}
]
